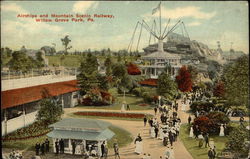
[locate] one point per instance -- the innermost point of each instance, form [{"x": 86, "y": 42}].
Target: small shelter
[{"x": 88, "y": 134}]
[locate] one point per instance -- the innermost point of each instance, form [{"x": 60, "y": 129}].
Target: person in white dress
[
  {"x": 221, "y": 130},
  {"x": 123, "y": 107},
  {"x": 138, "y": 145},
  {"x": 191, "y": 133},
  {"x": 152, "y": 132},
  {"x": 160, "y": 133},
  {"x": 169, "y": 153}
]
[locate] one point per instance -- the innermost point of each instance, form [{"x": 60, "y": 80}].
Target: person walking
[
  {"x": 61, "y": 144},
  {"x": 47, "y": 145},
  {"x": 116, "y": 150},
  {"x": 128, "y": 108},
  {"x": 43, "y": 148},
  {"x": 171, "y": 138},
  {"x": 103, "y": 149},
  {"x": 145, "y": 120},
  {"x": 156, "y": 131},
  {"x": 37, "y": 147},
  {"x": 210, "y": 153},
  {"x": 73, "y": 147},
  {"x": 57, "y": 146},
  {"x": 214, "y": 152},
  {"x": 155, "y": 109},
  {"x": 189, "y": 119},
  {"x": 206, "y": 138}
]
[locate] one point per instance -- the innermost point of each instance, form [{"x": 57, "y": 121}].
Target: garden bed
[
  {"x": 36, "y": 129},
  {"x": 112, "y": 114}
]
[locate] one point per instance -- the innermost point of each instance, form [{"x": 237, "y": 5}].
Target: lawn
[
  {"x": 122, "y": 137},
  {"x": 130, "y": 99},
  {"x": 191, "y": 144}
]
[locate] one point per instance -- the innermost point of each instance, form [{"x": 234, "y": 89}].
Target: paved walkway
[{"x": 150, "y": 146}]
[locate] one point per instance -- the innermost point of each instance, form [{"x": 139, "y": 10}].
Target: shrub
[
  {"x": 237, "y": 141},
  {"x": 211, "y": 122},
  {"x": 201, "y": 106}
]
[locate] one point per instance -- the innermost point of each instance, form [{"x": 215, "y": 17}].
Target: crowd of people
[
  {"x": 43, "y": 147},
  {"x": 15, "y": 155}
]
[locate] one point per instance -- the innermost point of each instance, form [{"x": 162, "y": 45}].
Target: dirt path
[{"x": 151, "y": 146}]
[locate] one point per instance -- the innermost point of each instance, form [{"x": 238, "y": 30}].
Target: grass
[
  {"x": 122, "y": 137},
  {"x": 191, "y": 144},
  {"x": 74, "y": 60},
  {"x": 130, "y": 99},
  {"x": 113, "y": 118}
]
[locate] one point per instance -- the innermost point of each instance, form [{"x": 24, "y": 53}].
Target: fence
[{"x": 7, "y": 74}]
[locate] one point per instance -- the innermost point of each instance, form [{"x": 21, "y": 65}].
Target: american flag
[{"x": 156, "y": 9}]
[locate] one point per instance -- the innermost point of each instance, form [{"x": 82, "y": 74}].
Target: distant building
[{"x": 154, "y": 63}]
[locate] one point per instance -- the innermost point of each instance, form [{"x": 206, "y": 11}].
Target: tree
[
  {"x": 108, "y": 64},
  {"x": 20, "y": 62},
  {"x": 194, "y": 73},
  {"x": 236, "y": 81},
  {"x": 50, "y": 111},
  {"x": 236, "y": 141},
  {"x": 65, "y": 43},
  {"x": 166, "y": 86},
  {"x": 87, "y": 77},
  {"x": 184, "y": 80},
  {"x": 219, "y": 90},
  {"x": 133, "y": 69},
  {"x": 40, "y": 60}
]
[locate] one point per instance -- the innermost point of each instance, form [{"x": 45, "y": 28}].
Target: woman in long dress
[
  {"x": 152, "y": 131},
  {"x": 138, "y": 147},
  {"x": 160, "y": 133},
  {"x": 191, "y": 133},
  {"x": 123, "y": 107},
  {"x": 221, "y": 130}
]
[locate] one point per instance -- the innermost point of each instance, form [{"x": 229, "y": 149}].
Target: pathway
[{"x": 150, "y": 145}]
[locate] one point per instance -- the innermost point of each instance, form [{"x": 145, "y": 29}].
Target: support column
[
  {"x": 62, "y": 101},
  {"x": 99, "y": 147},
  {"x": 70, "y": 146},
  {"x": 24, "y": 116},
  {"x": 5, "y": 122}
]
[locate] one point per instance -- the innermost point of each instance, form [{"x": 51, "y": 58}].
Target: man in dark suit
[
  {"x": 171, "y": 138},
  {"x": 145, "y": 120},
  {"x": 103, "y": 149},
  {"x": 37, "y": 147},
  {"x": 73, "y": 147},
  {"x": 61, "y": 144},
  {"x": 47, "y": 145},
  {"x": 57, "y": 146},
  {"x": 43, "y": 148},
  {"x": 156, "y": 131}
]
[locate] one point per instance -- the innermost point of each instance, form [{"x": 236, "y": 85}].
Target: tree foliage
[
  {"x": 236, "y": 79},
  {"x": 183, "y": 80},
  {"x": 65, "y": 43},
  {"x": 87, "y": 78},
  {"x": 50, "y": 111},
  {"x": 236, "y": 141},
  {"x": 219, "y": 90},
  {"x": 166, "y": 86}
]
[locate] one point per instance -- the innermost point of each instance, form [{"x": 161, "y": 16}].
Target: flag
[{"x": 156, "y": 9}]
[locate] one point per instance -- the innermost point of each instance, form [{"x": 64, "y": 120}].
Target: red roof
[
  {"x": 15, "y": 97},
  {"x": 149, "y": 82}
]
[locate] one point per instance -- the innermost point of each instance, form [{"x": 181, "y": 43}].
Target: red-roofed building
[{"x": 19, "y": 106}]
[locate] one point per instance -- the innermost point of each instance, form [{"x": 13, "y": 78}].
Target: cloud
[
  {"x": 83, "y": 6},
  {"x": 181, "y": 12},
  {"x": 194, "y": 24},
  {"x": 16, "y": 32},
  {"x": 12, "y": 7}
]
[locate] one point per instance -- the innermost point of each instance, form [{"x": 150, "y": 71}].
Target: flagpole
[{"x": 160, "y": 19}]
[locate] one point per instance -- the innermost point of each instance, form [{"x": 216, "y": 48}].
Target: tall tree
[
  {"x": 108, "y": 64},
  {"x": 50, "y": 111},
  {"x": 39, "y": 59},
  {"x": 236, "y": 79},
  {"x": 20, "y": 62},
  {"x": 65, "y": 43},
  {"x": 184, "y": 80},
  {"x": 166, "y": 86},
  {"x": 87, "y": 78}
]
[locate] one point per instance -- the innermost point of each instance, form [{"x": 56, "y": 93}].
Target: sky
[{"x": 205, "y": 21}]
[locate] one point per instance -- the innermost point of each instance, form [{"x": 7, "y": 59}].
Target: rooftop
[
  {"x": 161, "y": 55},
  {"x": 81, "y": 125},
  {"x": 15, "y": 97}
]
